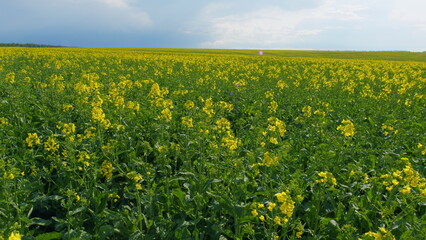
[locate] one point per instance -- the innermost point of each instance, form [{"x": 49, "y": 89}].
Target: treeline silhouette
[{"x": 27, "y": 45}]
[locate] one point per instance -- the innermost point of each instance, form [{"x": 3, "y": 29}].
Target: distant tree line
[{"x": 26, "y": 45}]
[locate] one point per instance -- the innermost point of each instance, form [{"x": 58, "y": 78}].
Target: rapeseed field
[{"x": 154, "y": 144}]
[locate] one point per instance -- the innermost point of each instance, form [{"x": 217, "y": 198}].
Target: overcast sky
[{"x": 262, "y": 24}]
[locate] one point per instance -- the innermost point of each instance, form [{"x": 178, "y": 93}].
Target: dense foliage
[{"x": 134, "y": 144}]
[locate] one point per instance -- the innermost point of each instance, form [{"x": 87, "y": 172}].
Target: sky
[{"x": 370, "y": 25}]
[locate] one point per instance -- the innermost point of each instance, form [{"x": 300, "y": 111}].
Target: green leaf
[
  {"x": 49, "y": 236},
  {"x": 75, "y": 211},
  {"x": 179, "y": 194},
  {"x": 40, "y": 221}
]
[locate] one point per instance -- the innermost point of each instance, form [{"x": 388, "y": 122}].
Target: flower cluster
[
  {"x": 106, "y": 169},
  {"x": 275, "y": 213},
  {"x": 347, "y": 127},
  {"x": 327, "y": 177},
  {"x": 32, "y": 139},
  {"x": 51, "y": 145},
  {"x": 405, "y": 180},
  {"x": 382, "y": 234}
]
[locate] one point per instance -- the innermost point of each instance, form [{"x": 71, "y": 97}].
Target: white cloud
[
  {"x": 115, "y": 3},
  {"x": 339, "y": 10},
  {"x": 411, "y": 12},
  {"x": 272, "y": 25},
  {"x": 263, "y": 27}
]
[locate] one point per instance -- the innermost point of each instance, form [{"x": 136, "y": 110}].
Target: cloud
[
  {"x": 262, "y": 27},
  {"x": 273, "y": 25},
  {"x": 340, "y": 10},
  {"x": 115, "y": 3},
  {"x": 301, "y": 24},
  {"x": 411, "y": 12}
]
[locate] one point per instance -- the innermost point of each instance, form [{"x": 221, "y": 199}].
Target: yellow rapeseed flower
[
  {"x": 230, "y": 142},
  {"x": 189, "y": 104},
  {"x": 32, "y": 139},
  {"x": 277, "y": 220},
  {"x": 166, "y": 114},
  {"x": 287, "y": 204},
  {"x": 51, "y": 145},
  {"x": 307, "y": 111},
  {"x": 15, "y": 236},
  {"x": 270, "y": 160},
  {"x": 4, "y": 121},
  {"x": 347, "y": 127},
  {"x": 273, "y": 140},
  {"x": 67, "y": 107},
  {"x": 106, "y": 169},
  {"x": 326, "y": 177},
  {"x": 254, "y": 213},
  {"x": 186, "y": 121},
  {"x": 271, "y": 206},
  {"x": 10, "y": 77}
]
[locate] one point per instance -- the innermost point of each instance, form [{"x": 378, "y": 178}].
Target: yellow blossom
[
  {"x": 226, "y": 106},
  {"x": 281, "y": 84},
  {"x": 106, "y": 169},
  {"x": 15, "y": 236},
  {"x": 137, "y": 178},
  {"x": 406, "y": 189},
  {"x": 156, "y": 91},
  {"x": 82, "y": 156},
  {"x": 67, "y": 107},
  {"x": 4, "y": 121},
  {"x": 273, "y": 140},
  {"x": 273, "y": 106},
  {"x": 51, "y": 145},
  {"x": 189, "y": 104},
  {"x": 32, "y": 139},
  {"x": 382, "y": 234},
  {"x": 271, "y": 206},
  {"x": 347, "y": 128},
  {"x": 277, "y": 220},
  {"x": 133, "y": 105},
  {"x": 10, "y": 77},
  {"x": 287, "y": 204},
  {"x": 270, "y": 160},
  {"x": 307, "y": 111},
  {"x": 166, "y": 114},
  {"x": 254, "y": 213},
  {"x": 186, "y": 121},
  {"x": 68, "y": 128},
  {"x": 120, "y": 127},
  {"x": 327, "y": 177},
  {"x": 230, "y": 142}
]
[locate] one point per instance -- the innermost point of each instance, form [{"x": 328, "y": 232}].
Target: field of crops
[{"x": 150, "y": 144}]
